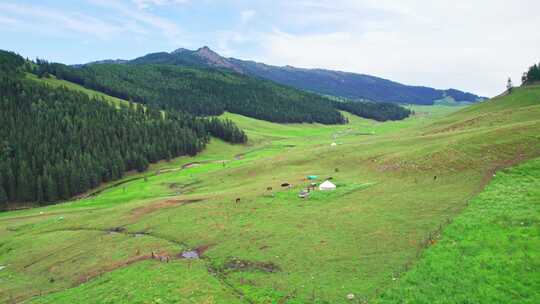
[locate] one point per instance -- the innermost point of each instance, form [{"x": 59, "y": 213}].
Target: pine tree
[
  {"x": 39, "y": 190},
  {"x": 3, "y": 196},
  {"x": 11, "y": 185},
  {"x": 84, "y": 181},
  {"x": 25, "y": 184},
  {"x": 51, "y": 192},
  {"x": 509, "y": 85}
]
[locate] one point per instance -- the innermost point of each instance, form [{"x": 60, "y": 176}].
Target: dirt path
[
  {"x": 163, "y": 257},
  {"x": 139, "y": 212}
]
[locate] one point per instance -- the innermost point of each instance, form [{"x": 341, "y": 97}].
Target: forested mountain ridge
[
  {"x": 351, "y": 85},
  {"x": 200, "y": 91},
  {"x": 211, "y": 91},
  {"x": 56, "y": 142},
  {"x": 326, "y": 82}
]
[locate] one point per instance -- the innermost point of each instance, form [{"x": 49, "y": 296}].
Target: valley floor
[{"x": 399, "y": 185}]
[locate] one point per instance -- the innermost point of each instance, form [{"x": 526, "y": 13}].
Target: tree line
[
  {"x": 211, "y": 92},
  {"x": 56, "y": 143},
  {"x": 532, "y": 75},
  {"x": 199, "y": 91},
  {"x": 380, "y": 111}
]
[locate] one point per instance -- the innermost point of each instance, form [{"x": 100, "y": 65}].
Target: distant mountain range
[{"x": 325, "y": 82}]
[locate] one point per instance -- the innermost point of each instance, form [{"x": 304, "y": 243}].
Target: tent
[{"x": 327, "y": 185}]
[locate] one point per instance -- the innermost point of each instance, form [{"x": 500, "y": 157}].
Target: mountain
[
  {"x": 326, "y": 82},
  {"x": 201, "y": 92},
  {"x": 183, "y": 57},
  {"x": 213, "y": 91},
  {"x": 350, "y": 85}
]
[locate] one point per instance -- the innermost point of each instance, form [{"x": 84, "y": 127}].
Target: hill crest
[{"x": 322, "y": 81}]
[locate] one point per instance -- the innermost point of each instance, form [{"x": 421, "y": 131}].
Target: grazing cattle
[
  {"x": 285, "y": 185},
  {"x": 435, "y": 177},
  {"x": 238, "y": 200},
  {"x": 268, "y": 188}
]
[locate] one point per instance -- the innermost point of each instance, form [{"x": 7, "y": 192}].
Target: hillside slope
[
  {"x": 351, "y": 85},
  {"x": 203, "y": 91},
  {"x": 488, "y": 254},
  {"x": 398, "y": 184},
  {"x": 326, "y": 82},
  {"x": 200, "y": 91}
]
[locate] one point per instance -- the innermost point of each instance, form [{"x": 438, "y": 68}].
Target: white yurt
[{"x": 327, "y": 185}]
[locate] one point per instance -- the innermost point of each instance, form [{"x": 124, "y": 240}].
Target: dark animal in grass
[
  {"x": 285, "y": 185},
  {"x": 435, "y": 177},
  {"x": 238, "y": 200},
  {"x": 268, "y": 188}
]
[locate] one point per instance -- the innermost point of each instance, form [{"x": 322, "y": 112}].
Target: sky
[{"x": 472, "y": 45}]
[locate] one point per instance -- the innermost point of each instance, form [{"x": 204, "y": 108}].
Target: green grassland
[
  {"x": 489, "y": 254},
  {"x": 399, "y": 184}
]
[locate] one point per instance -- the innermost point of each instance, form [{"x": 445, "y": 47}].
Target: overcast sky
[{"x": 469, "y": 45}]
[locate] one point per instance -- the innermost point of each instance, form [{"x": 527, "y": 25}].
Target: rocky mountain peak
[
  {"x": 215, "y": 59},
  {"x": 180, "y": 51}
]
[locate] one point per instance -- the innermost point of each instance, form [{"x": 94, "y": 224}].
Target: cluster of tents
[{"x": 325, "y": 186}]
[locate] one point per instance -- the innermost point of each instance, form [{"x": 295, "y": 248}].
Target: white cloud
[
  {"x": 44, "y": 19},
  {"x": 146, "y": 21},
  {"x": 247, "y": 15},
  {"x": 9, "y": 21},
  {"x": 144, "y": 4},
  {"x": 117, "y": 20},
  {"x": 472, "y": 45}
]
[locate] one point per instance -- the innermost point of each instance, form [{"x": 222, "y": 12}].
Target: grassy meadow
[
  {"x": 489, "y": 253},
  {"x": 400, "y": 184}
]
